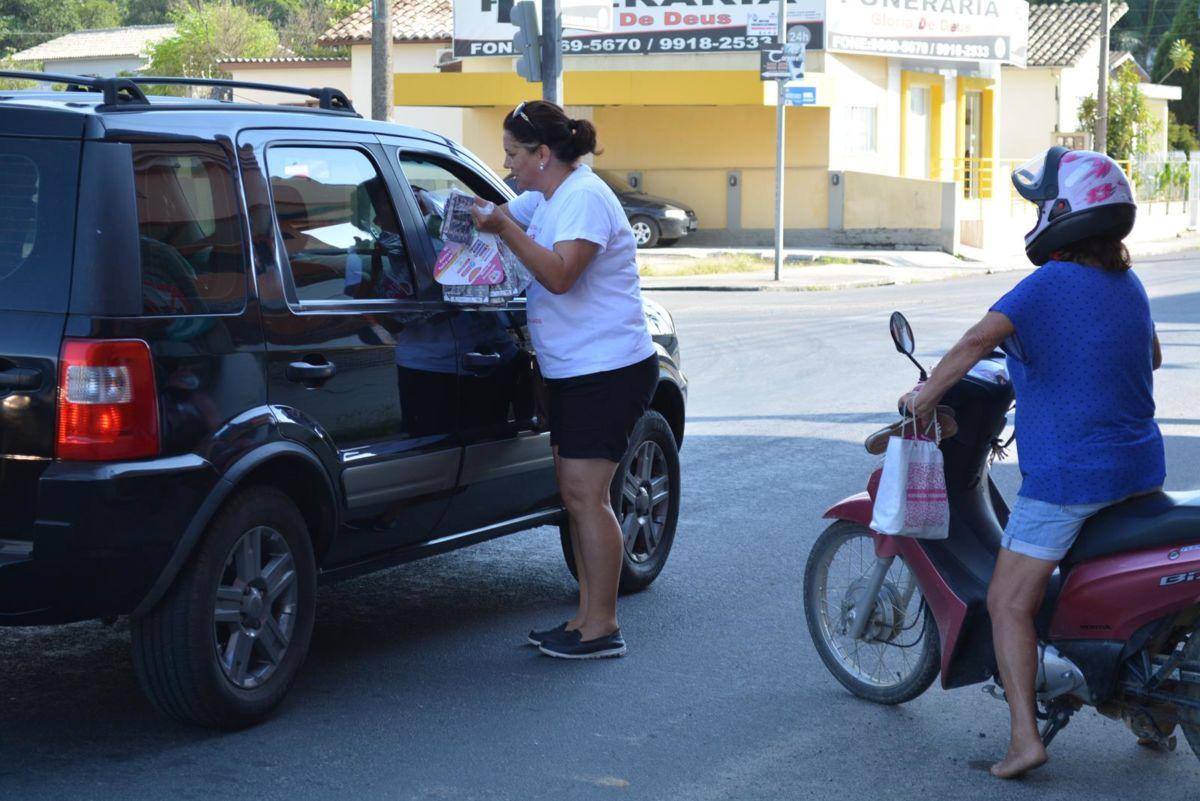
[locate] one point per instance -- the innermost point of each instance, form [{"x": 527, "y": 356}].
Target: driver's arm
[{"x": 979, "y": 341}]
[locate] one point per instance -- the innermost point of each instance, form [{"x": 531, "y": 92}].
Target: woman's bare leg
[
  {"x": 1014, "y": 596},
  {"x": 584, "y": 485}
]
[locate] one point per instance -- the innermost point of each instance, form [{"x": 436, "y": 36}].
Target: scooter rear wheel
[
  {"x": 897, "y": 659},
  {"x": 1191, "y": 654}
]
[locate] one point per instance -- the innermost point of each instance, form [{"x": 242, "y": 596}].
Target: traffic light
[{"x": 527, "y": 43}]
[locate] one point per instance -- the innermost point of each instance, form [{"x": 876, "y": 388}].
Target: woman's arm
[
  {"x": 1156, "y": 360},
  {"x": 558, "y": 269},
  {"x": 979, "y": 341}
]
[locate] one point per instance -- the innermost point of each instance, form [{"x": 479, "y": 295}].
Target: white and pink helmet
[{"x": 1079, "y": 195}]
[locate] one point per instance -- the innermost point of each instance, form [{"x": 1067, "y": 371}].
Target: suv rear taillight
[{"x": 107, "y": 404}]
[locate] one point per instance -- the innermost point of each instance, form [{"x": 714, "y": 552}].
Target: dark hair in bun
[{"x": 543, "y": 123}]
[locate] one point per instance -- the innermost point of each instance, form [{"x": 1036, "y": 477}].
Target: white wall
[
  {"x": 103, "y": 67},
  {"x": 1078, "y": 82},
  {"x": 1028, "y": 112},
  {"x": 864, "y": 81},
  {"x": 303, "y": 75},
  {"x": 406, "y": 57}
]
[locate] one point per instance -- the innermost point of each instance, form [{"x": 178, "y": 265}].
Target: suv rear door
[
  {"x": 39, "y": 178},
  {"x": 342, "y": 307}
]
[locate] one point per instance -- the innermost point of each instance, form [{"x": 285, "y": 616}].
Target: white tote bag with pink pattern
[{"x": 911, "y": 499}]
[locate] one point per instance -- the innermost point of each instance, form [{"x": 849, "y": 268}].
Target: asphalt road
[{"x": 419, "y": 687}]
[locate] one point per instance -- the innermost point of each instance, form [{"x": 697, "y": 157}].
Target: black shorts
[{"x": 592, "y": 416}]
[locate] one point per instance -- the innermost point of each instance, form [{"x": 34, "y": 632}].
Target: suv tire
[
  {"x": 650, "y": 469},
  {"x": 178, "y": 646}
]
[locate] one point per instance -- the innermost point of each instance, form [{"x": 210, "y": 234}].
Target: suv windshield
[
  {"x": 615, "y": 182},
  {"x": 37, "y": 222}
]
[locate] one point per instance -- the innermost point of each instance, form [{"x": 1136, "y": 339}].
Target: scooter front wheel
[{"x": 896, "y": 659}]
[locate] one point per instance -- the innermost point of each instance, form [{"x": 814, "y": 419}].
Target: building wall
[
  {"x": 687, "y": 153},
  {"x": 1160, "y": 141},
  {"x": 407, "y": 57},
  {"x": 863, "y": 81},
  {"x": 102, "y": 67},
  {"x": 1030, "y": 114},
  {"x": 300, "y": 74},
  {"x": 1078, "y": 82}
]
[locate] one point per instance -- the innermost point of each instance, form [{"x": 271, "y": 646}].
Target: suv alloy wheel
[{"x": 223, "y": 647}]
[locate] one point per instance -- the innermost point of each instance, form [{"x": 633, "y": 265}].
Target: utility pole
[
  {"x": 552, "y": 88},
  {"x": 381, "y": 59},
  {"x": 779, "y": 140},
  {"x": 1101, "y": 143}
]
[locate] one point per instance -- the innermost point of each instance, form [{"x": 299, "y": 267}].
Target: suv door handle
[
  {"x": 304, "y": 371},
  {"x": 20, "y": 378},
  {"x": 480, "y": 362}
]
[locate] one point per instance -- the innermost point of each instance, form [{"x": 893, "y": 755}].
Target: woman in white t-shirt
[{"x": 593, "y": 347}]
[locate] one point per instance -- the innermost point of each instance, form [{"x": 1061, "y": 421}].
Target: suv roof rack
[{"x": 126, "y": 92}]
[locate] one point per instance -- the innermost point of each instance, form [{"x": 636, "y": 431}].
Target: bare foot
[{"x": 1017, "y": 763}]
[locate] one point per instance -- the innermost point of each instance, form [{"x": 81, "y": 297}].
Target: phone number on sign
[{"x": 663, "y": 44}]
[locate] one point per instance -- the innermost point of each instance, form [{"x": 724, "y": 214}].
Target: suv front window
[
  {"x": 338, "y": 226},
  {"x": 188, "y": 229}
]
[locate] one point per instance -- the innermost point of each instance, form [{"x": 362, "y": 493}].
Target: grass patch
[
  {"x": 730, "y": 263},
  {"x": 711, "y": 265}
]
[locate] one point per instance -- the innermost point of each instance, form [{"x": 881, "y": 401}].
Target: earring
[{"x": 542, "y": 166}]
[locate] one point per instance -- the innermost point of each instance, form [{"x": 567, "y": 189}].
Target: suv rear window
[
  {"x": 189, "y": 230},
  {"x": 38, "y": 184}
]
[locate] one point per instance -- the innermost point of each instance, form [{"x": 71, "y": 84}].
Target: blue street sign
[{"x": 800, "y": 95}]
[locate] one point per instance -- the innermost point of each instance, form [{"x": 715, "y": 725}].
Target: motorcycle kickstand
[{"x": 1057, "y": 716}]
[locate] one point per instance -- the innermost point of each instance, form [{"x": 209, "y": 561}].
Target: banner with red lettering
[{"x": 484, "y": 28}]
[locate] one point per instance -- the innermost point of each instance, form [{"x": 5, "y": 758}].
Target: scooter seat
[{"x": 1146, "y": 521}]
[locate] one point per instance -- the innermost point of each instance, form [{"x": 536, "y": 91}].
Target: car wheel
[
  {"x": 645, "y": 231},
  {"x": 223, "y": 647},
  {"x": 645, "y": 498}
]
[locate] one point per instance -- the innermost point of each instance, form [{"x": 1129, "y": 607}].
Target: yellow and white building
[{"x": 902, "y": 147}]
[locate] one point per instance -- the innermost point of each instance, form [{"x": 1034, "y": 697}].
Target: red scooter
[{"x": 1120, "y": 626}]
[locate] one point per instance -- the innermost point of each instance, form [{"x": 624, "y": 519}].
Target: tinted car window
[
  {"x": 431, "y": 184},
  {"x": 189, "y": 231},
  {"x": 338, "y": 225},
  {"x": 38, "y": 181}
]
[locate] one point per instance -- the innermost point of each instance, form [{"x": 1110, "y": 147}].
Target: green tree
[
  {"x": 147, "y": 12},
  {"x": 1180, "y": 54},
  {"x": 1183, "y": 27},
  {"x": 1180, "y": 136},
  {"x": 26, "y": 23},
  {"x": 1131, "y": 125},
  {"x": 208, "y": 34}
]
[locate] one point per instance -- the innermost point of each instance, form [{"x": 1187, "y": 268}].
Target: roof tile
[
  {"x": 1060, "y": 33},
  {"x": 134, "y": 40},
  {"x": 412, "y": 21}
]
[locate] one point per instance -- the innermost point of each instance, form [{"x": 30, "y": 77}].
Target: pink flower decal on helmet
[{"x": 1101, "y": 193}]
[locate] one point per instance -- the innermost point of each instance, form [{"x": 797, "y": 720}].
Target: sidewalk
[{"x": 866, "y": 268}]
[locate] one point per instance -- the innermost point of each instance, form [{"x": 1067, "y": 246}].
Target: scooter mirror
[{"x": 902, "y": 334}]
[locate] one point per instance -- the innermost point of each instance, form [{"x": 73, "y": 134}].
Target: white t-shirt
[{"x": 599, "y": 324}]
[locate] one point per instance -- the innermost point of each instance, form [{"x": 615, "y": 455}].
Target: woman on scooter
[{"x": 1081, "y": 349}]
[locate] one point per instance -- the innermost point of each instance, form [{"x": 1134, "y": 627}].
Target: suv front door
[
  {"x": 508, "y": 467},
  {"x": 358, "y": 365}
]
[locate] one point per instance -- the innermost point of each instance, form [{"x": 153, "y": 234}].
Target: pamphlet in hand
[{"x": 473, "y": 266}]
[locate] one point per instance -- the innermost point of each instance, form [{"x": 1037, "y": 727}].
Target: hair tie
[{"x": 573, "y": 125}]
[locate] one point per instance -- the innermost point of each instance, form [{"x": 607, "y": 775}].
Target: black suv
[{"x": 227, "y": 376}]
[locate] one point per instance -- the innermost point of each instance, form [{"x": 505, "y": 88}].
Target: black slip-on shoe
[
  {"x": 571, "y": 645},
  {"x": 538, "y": 637}
]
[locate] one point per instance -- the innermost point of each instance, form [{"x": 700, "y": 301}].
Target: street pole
[
  {"x": 381, "y": 59},
  {"x": 552, "y": 89},
  {"x": 779, "y": 140},
  {"x": 1101, "y": 143}
]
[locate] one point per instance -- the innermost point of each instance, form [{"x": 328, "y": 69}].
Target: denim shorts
[{"x": 1046, "y": 530}]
